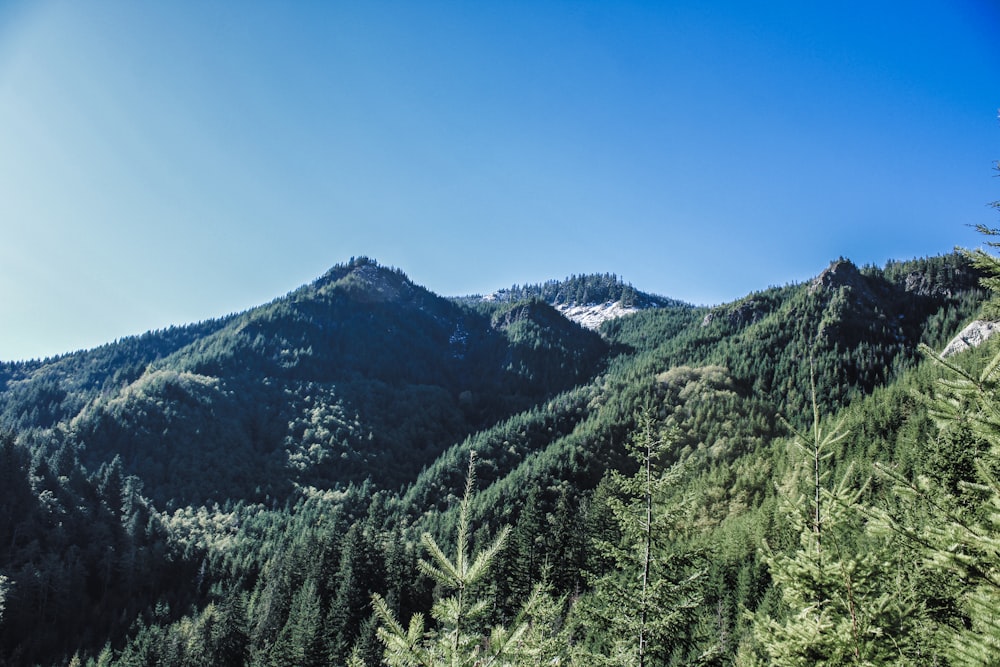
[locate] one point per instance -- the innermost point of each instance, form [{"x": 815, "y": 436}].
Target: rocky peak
[
  {"x": 959, "y": 279},
  {"x": 535, "y": 309},
  {"x": 744, "y": 312},
  {"x": 840, "y": 273}
]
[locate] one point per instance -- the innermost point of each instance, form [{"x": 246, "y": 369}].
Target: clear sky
[{"x": 167, "y": 162}]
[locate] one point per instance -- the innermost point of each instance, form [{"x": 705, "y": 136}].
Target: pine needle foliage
[
  {"x": 843, "y": 606},
  {"x": 644, "y": 606},
  {"x": 460, "y": 637},
  {"x": 962, "y": 538},
  {"x": 989, "y": 264},
  {"x": 956, "y": 541}
]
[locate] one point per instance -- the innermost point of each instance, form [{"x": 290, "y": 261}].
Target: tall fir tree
[
  {"x": 842, "y": 604},
  {"x": 461, "y": 637},
  {"x": 568, "y": 545},
  {"x": 300, "y": 642},
  {"x": 641, "y": 609},
  {"x": 348, "y": 607},
  {"x": 961, "y": 535}
]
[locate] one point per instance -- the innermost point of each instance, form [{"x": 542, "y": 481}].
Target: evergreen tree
[
  {"x": 400, "y": 574},
  {"x": 230, "y": 637},
  {"x": 347, "y": 609},
  {"x": 301, "y": 639},
  {"x": 642, "y": 608},
  {"x": 960, "y": 536},
  {"x": 367, "y": 649},
  {"x": 568, "y": 545},
  {"x": 842, "y": 604},
  {"x": 528, "y": 545},
  {"x": 460, "y": 637}
]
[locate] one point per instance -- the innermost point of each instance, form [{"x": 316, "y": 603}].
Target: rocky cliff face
[
  {"x": 842, "y": 273},
  {"x": 974, "y": 335},
  {"x": 957, "y": 280},
  {"x": 745, "y": 311}
]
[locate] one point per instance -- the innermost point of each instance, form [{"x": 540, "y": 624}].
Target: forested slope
[
  {"x": 360, "y": 374},
  {"x": 234, "y": 492}
]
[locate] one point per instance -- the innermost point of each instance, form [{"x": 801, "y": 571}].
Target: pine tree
[
  {"x": 400, "y": 572},
  {"x": 347, "y": 609},
  {"x": 104, "y": 659},
  {"x": 843, "y": 606},
  {"x": 958, "y": 533},
  {"x": 301, "y": 640},
  {"x": 460, "y": 637},
  {"x": 367, "y": 648},
  {"x": 568, "y": 547},
  {"x": 528, "y": 546},
  {"x": 961, "y": 536},
  {"x": 230, "y": 638},
  {"x": 644, "y": 605}
]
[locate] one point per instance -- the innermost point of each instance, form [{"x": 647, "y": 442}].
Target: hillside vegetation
[{"x": 362, "y": 472}]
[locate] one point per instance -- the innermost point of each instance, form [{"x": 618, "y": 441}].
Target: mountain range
[{"x": 160, "y": 479}]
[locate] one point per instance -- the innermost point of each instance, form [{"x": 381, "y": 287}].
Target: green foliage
[
  {"x": 460, "y": 638},
  {"x": 641, "y": 609},
  {"x": 584, "y": 290},
  {"x": 989, "y": 265},
  {"x": 851, "y": 593},
  {"x": 843, "y": 604},
  {"x": 959, "y": 535},
  {"x": 235, "y": 492}
]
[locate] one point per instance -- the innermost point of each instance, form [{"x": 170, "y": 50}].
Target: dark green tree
[
  {"x": 229, "y": 634},
  {"x": 528, "y": 545},
  {"x": 461, "y": 637},
  {"x": 842, "y": 604},
  {"x": 568, "y": 551},
  {"x": 348, "y": 608},
  {"x": 961, "y": 534},
  {"x": 641, "y": 608},
  {"x": 300, "y": 641}
]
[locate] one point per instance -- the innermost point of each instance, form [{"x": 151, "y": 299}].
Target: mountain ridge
[
  {"x": 256, "y": 448},
  {"x": 361, "y": 327}
]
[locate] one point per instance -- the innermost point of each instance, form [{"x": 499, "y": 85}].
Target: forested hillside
[
  {"x": 581, "y": 290},
  {"x": 362, "y": 472}
]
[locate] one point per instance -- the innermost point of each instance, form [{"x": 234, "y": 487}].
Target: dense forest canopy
[{"x": 362, "y": 472}]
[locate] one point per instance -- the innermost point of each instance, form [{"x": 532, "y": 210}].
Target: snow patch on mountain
[{"x": 593, "y": 315}]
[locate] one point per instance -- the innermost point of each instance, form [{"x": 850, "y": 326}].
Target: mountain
[
  {"x": 589, "y": 300},
  {"x": 361, "y": 374},
  {"x": 218, "y": 484}
]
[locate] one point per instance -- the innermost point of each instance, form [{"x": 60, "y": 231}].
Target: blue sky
[{"x": 166, "y": 162}]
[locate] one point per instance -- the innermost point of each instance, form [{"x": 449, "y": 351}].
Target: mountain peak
[
  {"x": 343, "y": 269},
  {"x": 840, "y": 273},
  {"x": 588, "y": 300},
  {"x": 364, "y": 279}
]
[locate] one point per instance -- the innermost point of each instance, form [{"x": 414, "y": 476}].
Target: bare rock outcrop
[{"x": 974, "y": 335}]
